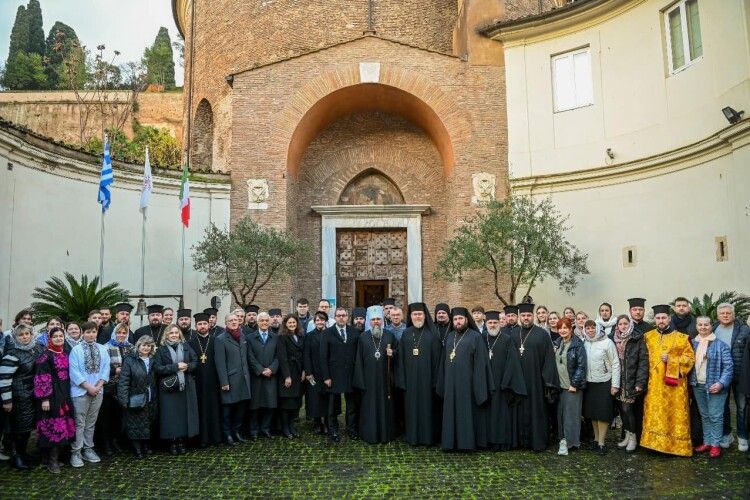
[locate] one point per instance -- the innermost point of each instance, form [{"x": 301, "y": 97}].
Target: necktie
[
  {"x": 263, "y": 337},
  {"x": 342, "y": 332}
]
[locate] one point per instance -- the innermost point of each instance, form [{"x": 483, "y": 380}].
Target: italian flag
[{"x": 185, "y": 197}]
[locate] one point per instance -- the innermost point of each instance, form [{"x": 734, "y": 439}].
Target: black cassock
[
  {"x": 540, "y": 376},
  {"x": 372, "y": 374},
  {"x": 507, "y": 378},
  {"x": 417, "y": 373},
  {"x": 465, "y": 383},
  {"x": 208, "y": 389}
]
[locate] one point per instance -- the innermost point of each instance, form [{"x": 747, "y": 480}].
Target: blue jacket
[
  {"x": 740, "y": 334},
  {"x": 719, "y": 367},
  {"x": 576, "y": 361}
]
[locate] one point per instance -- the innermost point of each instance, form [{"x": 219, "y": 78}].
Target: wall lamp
[{"x": 732, "y": 115}]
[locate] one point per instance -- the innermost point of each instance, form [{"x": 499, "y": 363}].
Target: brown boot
[{"x": 53, "y": 465}]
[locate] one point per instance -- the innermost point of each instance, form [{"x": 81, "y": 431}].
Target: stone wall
[{"x": 56, "y": 114}]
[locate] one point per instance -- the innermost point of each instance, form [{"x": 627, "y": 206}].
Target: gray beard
[
  {"x": 418, "y": 324},
  {"x": 493, "y": 333},
  {"x": 377, "y": 332}
]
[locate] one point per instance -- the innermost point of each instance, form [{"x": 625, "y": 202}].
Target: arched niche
[
  {"x": 371, "y": 187},
  {"x": 202, "y": 141}
]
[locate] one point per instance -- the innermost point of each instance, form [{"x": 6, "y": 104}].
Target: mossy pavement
[{"x": 312, "y": 467}]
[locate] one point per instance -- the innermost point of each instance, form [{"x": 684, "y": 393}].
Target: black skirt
[{"x": 597, "y": 401}]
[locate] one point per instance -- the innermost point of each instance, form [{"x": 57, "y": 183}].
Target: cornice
[{"x": 715, "y": 146}]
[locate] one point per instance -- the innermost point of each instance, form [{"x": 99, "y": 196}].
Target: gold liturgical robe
[{"x": 666, "y": 412}]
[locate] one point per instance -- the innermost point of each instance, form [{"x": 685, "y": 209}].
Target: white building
[
  {"x": 50, "y": 224},
  {"x": 615, "y": 112}
]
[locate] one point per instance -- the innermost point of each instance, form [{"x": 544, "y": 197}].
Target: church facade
[{"x": 369, "y": 129}]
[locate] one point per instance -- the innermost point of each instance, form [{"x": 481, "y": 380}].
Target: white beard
[
  {"x": 418, "y": 324},
  {"x": 493, "y": 332},
  {"x": 377, "y": 332}
]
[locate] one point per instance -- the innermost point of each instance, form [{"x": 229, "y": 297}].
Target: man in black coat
[
  {"x": 338, "y": 350},
  {"x": 213, "y": 328},
  {"x": 264, "y": 364},
  {"x": 155, "y": 328},
  {"x": 122, "y": 315},
  {"x": 203, "y": 343},
  {"x": 233, "y": 369},
  {"x": 250, "y": 323}
]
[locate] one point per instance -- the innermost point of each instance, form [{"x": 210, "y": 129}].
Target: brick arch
[
  {"x": 339, "y": 92},
  {"x": 346, "y": 164},
  {"x": 202, "y": 140}
]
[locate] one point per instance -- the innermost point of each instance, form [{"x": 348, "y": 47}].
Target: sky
[{"x": 125, "y": 25}]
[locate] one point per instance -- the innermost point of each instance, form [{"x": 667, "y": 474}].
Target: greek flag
[{"x": 106, "y": 179}]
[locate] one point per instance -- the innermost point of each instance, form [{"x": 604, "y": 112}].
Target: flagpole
[
  {"x": 143, "y": 252},
  {"x": 101, "y": 253},
  {"x": 182, "y": 271}
]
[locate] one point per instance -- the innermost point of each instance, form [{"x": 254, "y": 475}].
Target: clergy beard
[
  {"x": 377, "y": 332},
  {"x": 418, "y": 324},
  {"x": 442, "y": 323},
  {"x": 463, "y": 329},
  {"x": 494, "y": 332}
]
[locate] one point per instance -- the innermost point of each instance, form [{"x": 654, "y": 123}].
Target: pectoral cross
[
  {"x": 521, "y": 349},
  {"x": 204, "y": 358}
]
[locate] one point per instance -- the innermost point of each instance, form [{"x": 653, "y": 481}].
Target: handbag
[
  {"x": 137, "y": 401},
  {"x": 170, "y": 383}
]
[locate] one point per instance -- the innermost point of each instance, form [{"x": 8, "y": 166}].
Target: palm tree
[
  {"x": 707, "y": 306},
  {"x": 72, "y": 300}
]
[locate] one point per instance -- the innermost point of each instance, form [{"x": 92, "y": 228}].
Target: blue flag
[{"x": 106, "y": 179}]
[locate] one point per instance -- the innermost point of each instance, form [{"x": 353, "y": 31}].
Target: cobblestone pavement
[{"x": 312, "y": 467}]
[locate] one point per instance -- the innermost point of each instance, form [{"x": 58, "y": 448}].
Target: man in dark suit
[
  {"x": 263, "y": 367},
  {"x": 338, "y": 350}
]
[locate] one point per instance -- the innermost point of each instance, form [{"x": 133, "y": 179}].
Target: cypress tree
[
  {"x": 19, "y": 35},
  {"x": 159, "y": 60},
  {"x": 36, "y": 28},
  {"x": 63, "y": 47}
]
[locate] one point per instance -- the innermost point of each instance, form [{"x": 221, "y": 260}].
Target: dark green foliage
[
  {"x": 36, "y": 28},
  {"x": 72, "y": 300},
  {"x": 519, "y": 240},
  {"x": 25, "y": 71},
  {"x": 63, "y": 47},
  {"x": 164, "y": 150},
  {"x": 19, "y": 35},
  {"x": 159, "y": 61},
  {"x": 707, "y": 306},
  {"x": 245, "y": 258}
]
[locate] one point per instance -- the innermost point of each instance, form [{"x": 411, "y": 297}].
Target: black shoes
[
  {"x": 238, "y": 437},
  {"x": 229, "y": 441},
  {"x": 267, "y": 434},
  {"x": 174, "y": 449}
]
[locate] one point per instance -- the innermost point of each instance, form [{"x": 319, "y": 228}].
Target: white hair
[
  {"x": 226, "y": 318},
  {"x": 725, "y": 305},
  {"x": 264, "y": 314}
]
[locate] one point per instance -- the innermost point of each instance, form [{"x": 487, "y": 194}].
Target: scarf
[
  {"x": 178, "y": 356},
  {"x": 73, "y": 342},
  {"x": 92, "y": 357},
  {"x": 24, "y": 347},
  {"x": 235, "y": 334},
  {"x": 701, "y": 353},
  {"x": 621, "y": 339},
  {"x": 605, "y": 325},
  {"x": 57, "y": 349},
  {"x": 600, "y": 334},
  {"x": 115, "y": 343},
  {"x": 580, "y": 333},
  {"x": 681, "y": 324}
]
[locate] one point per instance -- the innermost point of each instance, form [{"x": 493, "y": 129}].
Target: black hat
[
  {"x": 155, "y": 308},
  {"x": 510, "y": 309},
  {"x": 359, "y": 312},
  {"x": 252, "y": 308},
  {"x": 274, "y": 312},
  {"x": 636, "y": 302},
  {"x": 460, "y": 311},
  {"x": 184, "y": 313},
  {"x": 198, "y": 317},
  {"x": 389, "y": 301},
  {"x": 442, "y": 307},
  {"x": 417, "y": 306},
  {"x": 123, "y": 306},
  {"x": 211, "y": 311},
  {"x": 662, "y": 308},
  {"x": 525, "y": 308},
  {"x": 490, "y": 315}
]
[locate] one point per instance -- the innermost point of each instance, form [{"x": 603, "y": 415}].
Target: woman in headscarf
[
  {"x": 109, "y": 424},
  {"x": 580, "y": 330},
  {"x": 55, "y": 426},
  {"x": 602, "y": 382},
  {"x": 53, "y": 322},
  {"x": 17, "y": 390},
  {"x": 174, "y": 363},
  {"x": 73, "y": 336},
  {"x": 633, "y": 354},
  {"x": 605, "y": 321},
  {"x": 89, "y": 371},
  {"x": 136, "y": 393}
]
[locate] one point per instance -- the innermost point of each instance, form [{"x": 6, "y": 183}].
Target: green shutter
[
  {"x": 675, "y": 38},
  {"x": 694, "y": 29}
]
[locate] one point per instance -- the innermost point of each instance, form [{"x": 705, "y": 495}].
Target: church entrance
[
  {"x": 371, "y": 265},
  {"x": 369, "y": 292}
]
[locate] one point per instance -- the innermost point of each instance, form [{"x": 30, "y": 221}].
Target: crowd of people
[{"x": 521, "y": 377}]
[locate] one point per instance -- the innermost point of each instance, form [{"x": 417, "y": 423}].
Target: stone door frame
[{"x": 372, "y": 217}]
